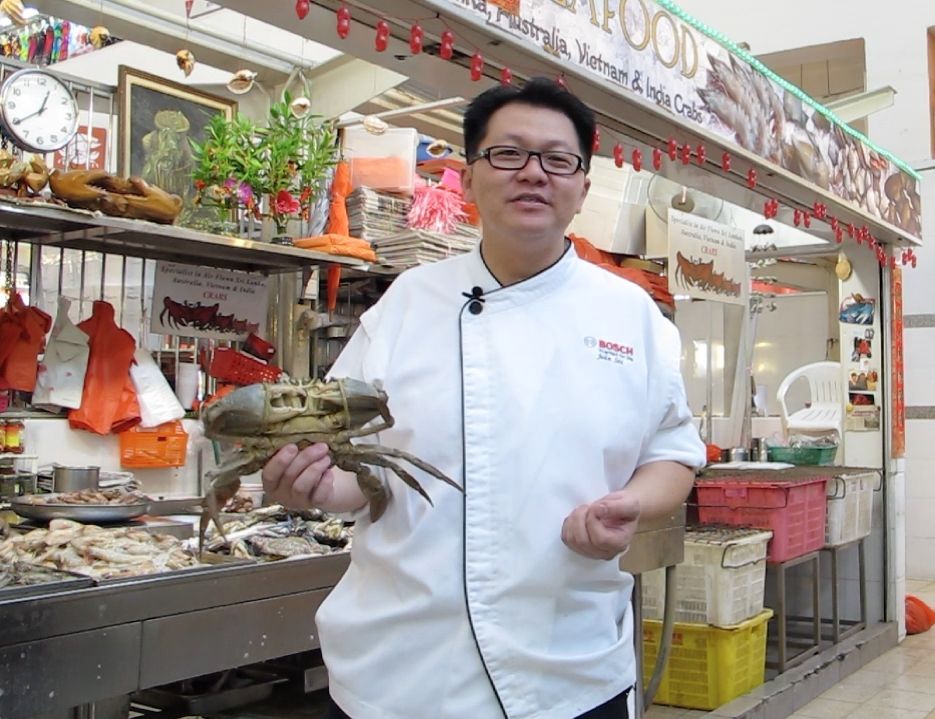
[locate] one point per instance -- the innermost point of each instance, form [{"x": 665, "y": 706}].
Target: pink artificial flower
[{"x": 286, "y": 204}]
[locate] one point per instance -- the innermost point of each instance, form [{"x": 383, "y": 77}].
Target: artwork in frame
[{"x": 158, "y": 118}]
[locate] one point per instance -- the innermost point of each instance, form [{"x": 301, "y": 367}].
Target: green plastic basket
[{"x": 812, "y": 456}]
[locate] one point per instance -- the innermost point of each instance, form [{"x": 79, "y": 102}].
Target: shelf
[{"x": 61, "y": 227}]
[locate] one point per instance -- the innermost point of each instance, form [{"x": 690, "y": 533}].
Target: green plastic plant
[{"x": 227, "y": 164}]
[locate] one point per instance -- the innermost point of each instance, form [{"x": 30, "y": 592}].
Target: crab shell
[{"x": 241, "y": 82}]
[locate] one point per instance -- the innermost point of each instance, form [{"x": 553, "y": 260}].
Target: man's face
[{"x": 526, "y": 203}]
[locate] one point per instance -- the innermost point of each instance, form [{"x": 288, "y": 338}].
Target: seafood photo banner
[
  {"x": 654, "y": 49},
  {"x": 208, "y": 302},
  {"x": 706, "y": 259}
]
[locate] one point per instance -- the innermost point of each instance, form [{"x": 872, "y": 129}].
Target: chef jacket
[
  {"x": 61, "y": 373},
  {"x": 538, "y": 396}
]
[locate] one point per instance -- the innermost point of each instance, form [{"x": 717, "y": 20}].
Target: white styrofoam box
[
  {"x": 721, "y": 581},
  {"x": 396, "y": 145},
  {"x": 850, "y": 505},
  {"x": 611, "y": 219}
]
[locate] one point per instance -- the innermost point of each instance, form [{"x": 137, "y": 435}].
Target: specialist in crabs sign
[{"x": 37, "y": 111}]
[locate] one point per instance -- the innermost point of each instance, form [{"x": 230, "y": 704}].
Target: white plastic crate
[
  {"x": 721, "y": 580},
  {"x": 850, "y": 507}
]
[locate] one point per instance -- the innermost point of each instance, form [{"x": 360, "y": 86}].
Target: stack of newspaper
[{"x": 374, "y": 215}]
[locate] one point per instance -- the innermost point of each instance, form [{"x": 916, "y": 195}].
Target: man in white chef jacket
[{"x": 551, "y": 390}]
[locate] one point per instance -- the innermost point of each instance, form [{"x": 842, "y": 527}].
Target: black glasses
[{"x": 554, "y": 162}]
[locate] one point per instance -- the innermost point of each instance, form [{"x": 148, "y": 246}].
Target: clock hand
[{"x": 17, "y": 121}]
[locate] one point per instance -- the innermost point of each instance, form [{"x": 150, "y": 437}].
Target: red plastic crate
[
  {"x": 794, "y": 511},
  {"x": 229, "y": 365}
]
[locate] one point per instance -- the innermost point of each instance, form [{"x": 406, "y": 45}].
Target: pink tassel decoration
[{"x": 438, "y": 208}]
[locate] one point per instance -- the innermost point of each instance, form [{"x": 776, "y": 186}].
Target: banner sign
[
  {"x": 706, "y": 259},
  {"x": 641, "y": 46},
  {"x": 208, "y": 302}
]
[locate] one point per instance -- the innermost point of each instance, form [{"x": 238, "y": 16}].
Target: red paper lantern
[
  {"x": 913, "y": 260},
  {"x": 383, "y": 34},
  {"x": 506, "y": 76},
  {"x": 806, "y": 218},
  {"x": 767, "y": 209},
  {"x": 657, "y": 158},
  {"x": 850, "y": 230},
  {"x": 477, "y": 66},
  {"x": 797, "y": 218},
  {"x": 618, "y": 155},
  {"x": 700, "y": 154},
  {"x": 835, "y": 225},
  {"x": 344, "y": 22},
  {"x": 673, "y": 148},
  {"x": 596, "y": 140},
  {"x": 686, "y": 154},
  {"x": 751, "y": 178},
  {"x": 838, "y": 235},
  {"x": 446, "y": 51},
  {"x": 725, "y": 162},
  {"x": 416, "y": 36},
  {"x": 301, "y": 8},
  {"x": 636, "y": 159}
]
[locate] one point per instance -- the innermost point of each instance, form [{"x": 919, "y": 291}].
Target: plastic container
[
  {"x": 162, "y": 446},
  {"x": 384, "y": 162},
  {"x": 721, "y": 581},
  {"x": 708, "y": 666},
  {"x": 809, "y": 456},
  {"x": 793, "y": 510},
  {"x": 229, "y": 365},
  {"x": 850, "y": 508}
]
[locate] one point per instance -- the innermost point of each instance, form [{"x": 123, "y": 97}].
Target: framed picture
[{"x": 157, "y": 118}]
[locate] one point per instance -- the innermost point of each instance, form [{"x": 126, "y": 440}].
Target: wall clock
[{"x": 38, "y": 111}]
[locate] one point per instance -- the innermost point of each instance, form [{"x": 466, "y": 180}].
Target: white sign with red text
[{"x": 706, "y": 259}]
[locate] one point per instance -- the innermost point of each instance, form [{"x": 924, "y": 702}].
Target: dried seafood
[
  {"x": 239, "y": 504},
  {"x": 20, "y": 574},
  {"x": 96, "y": 552},
  {"x": 96, "y": 497}
]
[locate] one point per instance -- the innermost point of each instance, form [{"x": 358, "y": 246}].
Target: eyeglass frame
[{"x": 485, "y": 155}]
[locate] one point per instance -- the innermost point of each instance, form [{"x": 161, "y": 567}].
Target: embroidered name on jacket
[{"x": 610, "y": 351}]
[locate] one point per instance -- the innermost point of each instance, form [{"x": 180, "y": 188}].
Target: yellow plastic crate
[{"x": 708, "y": 666}]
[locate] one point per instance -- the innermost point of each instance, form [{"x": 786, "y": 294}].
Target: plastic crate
[
  {"x": 794, "y": 511},
  {"x": 162, "y": 446},
  {"x": 721, "y": 580},
  {"x": 850, "y": 508},
  {"x": 229, "y": 365},
  {"x": 708, "y": 666},
  {"x": 808, "y": 456}
]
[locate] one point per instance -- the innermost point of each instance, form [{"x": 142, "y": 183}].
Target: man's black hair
[{"x": 539, "y": 92}]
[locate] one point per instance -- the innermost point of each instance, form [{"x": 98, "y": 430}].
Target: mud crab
[{"x": 262, "y": 418}]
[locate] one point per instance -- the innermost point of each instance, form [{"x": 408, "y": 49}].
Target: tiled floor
[{"x": 898, "y": 685}]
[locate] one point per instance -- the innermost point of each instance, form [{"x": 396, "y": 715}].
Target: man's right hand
[{"x": 300, "y": 479}]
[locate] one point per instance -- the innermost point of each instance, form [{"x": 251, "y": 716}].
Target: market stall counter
[{"x": 74, "y": 646}]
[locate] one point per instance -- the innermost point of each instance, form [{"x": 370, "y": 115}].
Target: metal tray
[
  {"x": 90, "y": 513},
  {"x": 61, "y": 581},
  {"x": 252, "y": 685}
]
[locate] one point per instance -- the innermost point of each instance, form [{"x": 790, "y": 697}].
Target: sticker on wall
[
  {"x": 861, "y": 379},
  {"x": 862, "y": 349},
  {"x": 857, "y": 310}
]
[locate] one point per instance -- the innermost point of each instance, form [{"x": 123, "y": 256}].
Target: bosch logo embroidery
[{"x": 610, "y": 351}]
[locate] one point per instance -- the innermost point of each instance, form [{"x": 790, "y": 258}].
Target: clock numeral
[
  {"x": 42, "y": 81},
  {"x": 64, "y": 130},
  {"x": 11, "y": 105},
  {"x": 40, "y": 141},
  {"x": 25, "y": 133},
  {"x": 17, "y": 91},
  {"x": 64, "y": 100},
  {"x": 68, "y": 116},
  {"x": 52, "y": 138}
]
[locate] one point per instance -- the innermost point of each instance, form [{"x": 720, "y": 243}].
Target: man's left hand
[{"x": 602, "y": 529}]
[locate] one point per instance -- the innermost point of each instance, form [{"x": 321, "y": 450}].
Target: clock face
[{"x": 38, "y": 111}]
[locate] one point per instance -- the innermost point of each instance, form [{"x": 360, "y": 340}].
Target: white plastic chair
[{"x": 826, "y": 410}]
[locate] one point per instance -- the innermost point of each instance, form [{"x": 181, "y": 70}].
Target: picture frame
[{"x": 156, "y": 120}]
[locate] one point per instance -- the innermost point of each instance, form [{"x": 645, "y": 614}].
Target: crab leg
[
  {"x": 413, "y": 460},
  {"x": 355, "y": 465}
]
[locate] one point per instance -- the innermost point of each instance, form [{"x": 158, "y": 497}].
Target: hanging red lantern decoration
[
  {"x": 416, "y": 37},
  {"x": 636, "y": 159},
  {"x": 797, "y": 217},
  {"x": 850, "y": 230},
  {"x": 686, "y": 154},
  {"x": 821, "y": 210},
  {"x": 835, "y": 225},
  {"x": 596, "y": 140},
  {"x": 767, "y": 209},
  {"x": 477, "y": 66},
  {"x": 657, "y": 159},
  {"x": 618, "y": 155},
  {"x": 806, "y": 218},
  {"x": 751, "y": 178},
  {"x": 673, "y": 149},
  {"x": 344, "y": 22},
  {"x": 447, "y": 48},
  {"x": 506, "y": 76},
  {"x": 913, "y": 262},
  {"x": 383, "y": 34},
  {"x": 838, "y": 235},
  {"x": 301, "y": 8},
  {"x": 700, "y": 154},
  {"x": 725, "y": 162}
]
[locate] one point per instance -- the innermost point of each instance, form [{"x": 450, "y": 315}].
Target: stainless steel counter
[{"x": 62, "y": 650}]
